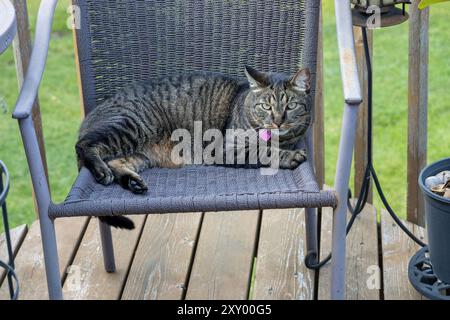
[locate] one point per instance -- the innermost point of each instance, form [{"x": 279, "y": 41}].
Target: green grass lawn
[{"x": 60, "y": 107}]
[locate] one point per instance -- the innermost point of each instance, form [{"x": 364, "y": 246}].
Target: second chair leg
[
  {"x": 340, "y": 214},
  {"x": 312, "y": 240},
  {"x": 51, "y": 258},
  {"x": 107, "y": 247},
  {"x": 339, "y": 254}
]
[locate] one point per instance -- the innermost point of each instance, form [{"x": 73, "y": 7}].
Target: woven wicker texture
[
  {"x": 124, "y": 41},
  {"x": 197, "y": 188}
]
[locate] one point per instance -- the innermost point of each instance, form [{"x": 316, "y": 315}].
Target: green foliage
[
  {"x": 424, "y": 3},
  {"x": 390, "y": 100},
  {"x": 60, "y": 106}
]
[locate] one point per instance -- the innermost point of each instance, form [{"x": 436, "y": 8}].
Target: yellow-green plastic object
[{"x": 425, "y": 3}]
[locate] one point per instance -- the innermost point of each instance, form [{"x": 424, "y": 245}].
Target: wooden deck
[{"x": 220, "y": 255}]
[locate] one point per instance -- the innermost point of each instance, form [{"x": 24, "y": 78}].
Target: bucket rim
[{"x": 422, "y": 178}]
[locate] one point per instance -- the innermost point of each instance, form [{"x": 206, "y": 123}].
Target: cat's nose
[{"x": 278, "y": 121}]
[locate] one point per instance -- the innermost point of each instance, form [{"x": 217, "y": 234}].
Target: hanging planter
[
  {"x": 434, "y": 182},
  {"x": 389, "y": 13}
]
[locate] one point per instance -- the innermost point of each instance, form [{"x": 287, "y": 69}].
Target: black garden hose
[
  {"x": 14, "y": 294},
  {"x": 11, "y": 275}
]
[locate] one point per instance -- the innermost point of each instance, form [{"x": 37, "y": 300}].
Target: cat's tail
[{"x": 118, "y": 222}]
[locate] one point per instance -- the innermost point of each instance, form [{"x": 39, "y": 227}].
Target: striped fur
[{"x": 131, "y": 130}]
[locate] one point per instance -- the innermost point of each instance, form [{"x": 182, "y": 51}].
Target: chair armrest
[
  {"x": 347, "y": 53},
  {"x": 38, "y": 58}
]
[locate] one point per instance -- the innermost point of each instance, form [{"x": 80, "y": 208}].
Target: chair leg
[
  {"x": 107, "y": 247},
  {"x": 312, "y": 240},
  {"x": 51, "y": 258},
  {"x": 42, "y": 193},
  {"x": 339, "y": 254},
  {"x": 340, "y": 214}
]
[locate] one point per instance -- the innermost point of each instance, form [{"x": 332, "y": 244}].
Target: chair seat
[{"x": 196, "y": 188}]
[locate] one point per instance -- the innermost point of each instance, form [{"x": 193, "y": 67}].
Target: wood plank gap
[
  {"x": 87, "y": 278},
  {"x": 30, "y": 265},
  {"x": 380, "y": 258},
  {"x": 397, "y": 249},
  {"x": 361, "y": 256},
  {"x": 163, "y": 257},
  {"x": 255, "y": 257},
  {"x": 280, "y": 270},
  {"x": 224, "y": 257},
  {"x": 319, "y": 236},
  {"x": 127, "y": 273},
  {"x": 191, "y": 261},
  {"x": 17, "y": 236},
  {"x": 75, "y": 250}
]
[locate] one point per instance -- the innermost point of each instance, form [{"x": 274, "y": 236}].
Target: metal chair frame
[{"x": 352, "y": 99}]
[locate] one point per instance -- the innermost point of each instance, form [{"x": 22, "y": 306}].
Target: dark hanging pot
[
  {"x": 392, "y": 12},
  {"x": 437, "y": 214}
]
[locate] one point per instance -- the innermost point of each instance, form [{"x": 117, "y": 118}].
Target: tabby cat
[{"x": 131, "y": 131}]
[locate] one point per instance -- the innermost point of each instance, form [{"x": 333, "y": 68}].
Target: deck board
[
  {"x": 30, "y": 258},
  {"x": 17, "y": 237},
  {"x": 361, "y": 256},
  {"x": 397, "y": 249},
  {"x": 163, "y": 258},
  {"x": 215, "y": 256},
  {"x": 87, "y": 278},
  {"x": 224, "y": 257},
  {"x": 280, "y": 269}
]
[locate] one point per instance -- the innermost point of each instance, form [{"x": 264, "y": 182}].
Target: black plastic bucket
[{"x": 437, "y": 213}]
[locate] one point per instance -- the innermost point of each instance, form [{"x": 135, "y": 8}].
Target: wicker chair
[{"x": 123, "y": 41}]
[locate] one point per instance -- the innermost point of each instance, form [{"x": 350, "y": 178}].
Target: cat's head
[{"x": 278, "y": 101}]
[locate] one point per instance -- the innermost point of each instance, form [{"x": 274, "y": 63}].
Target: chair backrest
[{"x": 122, "y": 41}]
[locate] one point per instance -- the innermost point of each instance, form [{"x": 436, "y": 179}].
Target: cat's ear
[
  {"x": 301, "y": 80},
  {"x": 256, "y": 79}
]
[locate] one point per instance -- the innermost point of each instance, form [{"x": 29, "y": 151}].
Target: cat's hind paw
[
  {"x": 103, "y": 174},
  {"x": 133, "y": 182},
  {"x": 137, "y": 185}
]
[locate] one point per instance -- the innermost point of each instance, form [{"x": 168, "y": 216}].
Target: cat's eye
[
  {"x": 265, "y": 106},
  {"x": 295, "y": 105}
]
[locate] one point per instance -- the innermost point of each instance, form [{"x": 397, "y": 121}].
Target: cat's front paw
[{"x": 291, "y": 159}]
